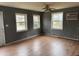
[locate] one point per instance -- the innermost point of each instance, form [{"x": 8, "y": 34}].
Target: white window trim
[
  {"x": 33, "y": 22},
  {"x": 52, "y": 22},
  {"x": 26, "y": 24}
]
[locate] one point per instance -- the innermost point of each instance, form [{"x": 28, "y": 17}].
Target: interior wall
[
  {"x": 70, "y": 27},
  {"x": 9, "y": 19}
]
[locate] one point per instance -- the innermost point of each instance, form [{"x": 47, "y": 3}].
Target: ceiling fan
[{"x": 47, "y": 8}]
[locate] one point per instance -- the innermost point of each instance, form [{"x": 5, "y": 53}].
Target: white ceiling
[{"x": 39, "y": 5}]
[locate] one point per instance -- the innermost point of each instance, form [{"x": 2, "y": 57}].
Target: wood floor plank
[{"x": 42, "y": 46}]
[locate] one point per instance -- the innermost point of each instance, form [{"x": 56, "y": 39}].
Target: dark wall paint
[
  {"x": 46, "y": 23},
  {"x": 10, "y": 31},
  {"x": 9, "y": 18},
  {"x": 70, "y": 27}
]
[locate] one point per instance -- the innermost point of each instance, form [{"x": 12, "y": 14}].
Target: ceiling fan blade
[
  {"x": 47, "y": 8},
  {"x": 50, "y": 10},
  {"x": 43, "y": 8}
]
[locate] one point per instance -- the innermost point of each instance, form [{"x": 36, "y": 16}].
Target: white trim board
[
  {"x": 20, "y": 40},
  {"x": 54, "y": 35},
  {"x": 64, "y": 37}
]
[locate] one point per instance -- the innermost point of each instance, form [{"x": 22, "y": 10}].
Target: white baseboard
[
  {"x": 35, "y": 36},
  {"x": 21, "y": 40},
  {"x": 63, "y": 37}
]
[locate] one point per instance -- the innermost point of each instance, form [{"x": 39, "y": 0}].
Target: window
[
  {"x": 36, "y": 21},
  {"x": 57, "y": 20},
  {"x": 21, "y": 22}
]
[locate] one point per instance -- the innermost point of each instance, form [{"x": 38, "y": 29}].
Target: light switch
[{"x": 6, "y": 25}]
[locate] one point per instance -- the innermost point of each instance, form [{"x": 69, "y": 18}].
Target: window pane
[
  {"x": 21, "y": 22},
  {"x": 57, "y": 25},
  {"x": 21, "y": 26},
  {"x": 20, "y": 18},
  {"x": 36, "y": 21},
  {"x": 57, "y": 20}
]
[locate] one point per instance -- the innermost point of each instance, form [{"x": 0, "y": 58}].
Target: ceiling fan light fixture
[
  {"x": 47, "y": 11},
  {"x": 47, "y": 8}
]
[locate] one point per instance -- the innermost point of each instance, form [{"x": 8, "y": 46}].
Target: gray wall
[
  {"x": 9, "y": 18},
  {"x": 70, "y": 27}
]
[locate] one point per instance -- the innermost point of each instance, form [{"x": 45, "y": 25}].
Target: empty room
[{"x": 39, "y": 28}]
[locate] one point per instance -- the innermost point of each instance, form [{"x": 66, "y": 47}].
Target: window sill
[
  {"x": 36, "y": 29},
  {"x": 57, "y": 29},
  {"x": 21, "y": 31}
]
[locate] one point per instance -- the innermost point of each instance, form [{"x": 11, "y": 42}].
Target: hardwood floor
[{"x": 42, "y": 46}]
